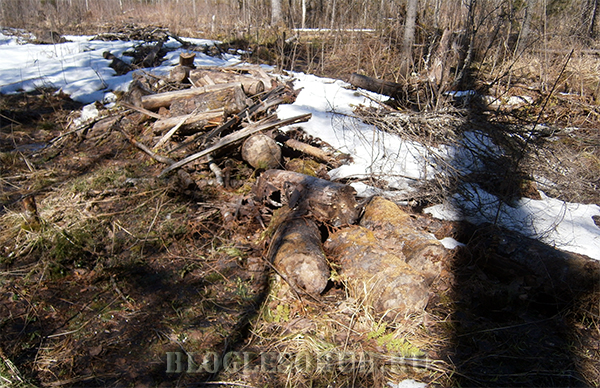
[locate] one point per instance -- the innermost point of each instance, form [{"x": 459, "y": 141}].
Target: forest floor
[{"x": 125, "y": 278}]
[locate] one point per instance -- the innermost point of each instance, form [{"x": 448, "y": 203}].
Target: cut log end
[{"x": 261, "y": 152}]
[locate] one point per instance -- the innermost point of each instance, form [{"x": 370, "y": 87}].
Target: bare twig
[
  {"x": 159, "y": 158},
  {"x": 142, "y": 110},
  {"x": 169, "y": 134}
]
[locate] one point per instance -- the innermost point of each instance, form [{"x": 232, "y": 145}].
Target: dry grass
[{"x": 343, "y": 342}]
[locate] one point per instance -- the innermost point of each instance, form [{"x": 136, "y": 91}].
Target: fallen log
[
  {"x": 304, "y": 148},
  {"x": 118, "y": 65},
  {"x": 398, "y": 234},
  {"x": 328, "y": 202},
  {"x": 155, "y": 101},
  {"x": 196, "y": 120},
  {"x": 250, "y": 85},
  {"x": 232, "y": 100},
  {"x": 263, "y": 125},
  {"x": 387, "y": 88},
  {"x": 382, "y": 281},
  {"x": 297, "y": 254}
]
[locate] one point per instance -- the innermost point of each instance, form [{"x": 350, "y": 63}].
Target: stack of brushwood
[{"x": 206, "y": 110}]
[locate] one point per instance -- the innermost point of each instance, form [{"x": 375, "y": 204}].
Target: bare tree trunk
[
  {"x": 469, "y": 43},
  {"x": 409, "y": 34},
  {"x": 526, "y": 28},
  {"x": 333, "y": 14},
  {"x": 303, "y": 14},
  {"x": 592, "y": 33},
  {"x": 276, "y": 12}
]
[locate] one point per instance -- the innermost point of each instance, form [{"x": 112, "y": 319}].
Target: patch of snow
[
  {"x": 375, "y": 153},
  {"x": 408, "y": 383},
  {"x": 88, "y": 112},
  {"x": 450, "y": 243},
  {"x": 564, "y": 225}
]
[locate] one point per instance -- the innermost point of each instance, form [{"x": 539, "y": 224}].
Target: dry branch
[
  {"x": 387, "y": 88},
  {"x": 142, "y": 110},
  {"x": 169, "y": 122},
  {"x": 305, "y": 148},
  {"x": 172, "y": 131},
  {"x": 236, "y": 136}
]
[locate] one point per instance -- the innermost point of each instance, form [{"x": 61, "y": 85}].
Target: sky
[{"x": 77, "y": 68}]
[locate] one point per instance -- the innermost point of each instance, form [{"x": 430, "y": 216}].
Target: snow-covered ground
[{"x": 78, "y": 68}]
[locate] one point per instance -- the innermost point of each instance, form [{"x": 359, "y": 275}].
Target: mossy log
[
  {"x": 328, "y": 202},
  {"x": 297, "y": 254},
  {"x": 378, "y": 278},
  {"x": 396, "y": 231}
]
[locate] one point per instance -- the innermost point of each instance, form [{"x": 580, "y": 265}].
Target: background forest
[{"x": 429, "y": 42}]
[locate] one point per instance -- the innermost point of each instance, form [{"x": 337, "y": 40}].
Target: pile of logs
[{"x": 382, "y": 259}]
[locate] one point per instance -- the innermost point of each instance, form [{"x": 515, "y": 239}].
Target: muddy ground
[{"x": 125, "y": 277}]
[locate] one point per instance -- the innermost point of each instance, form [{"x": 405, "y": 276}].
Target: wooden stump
[{"x": 187, "y": 60}]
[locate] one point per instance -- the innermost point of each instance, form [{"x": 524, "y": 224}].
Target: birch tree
[
  {"x": 409, "y": 33},
  {"x": 276, "y": 12}
]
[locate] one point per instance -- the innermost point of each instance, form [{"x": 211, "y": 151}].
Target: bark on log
[
  {"x": 305, "y": 148},
  {"x": 387, "y": 88},
  {"x": 328, "y": 202},
  {"x": 197, "y": 120},
  {"x": 297, "y": 254},
  {"x": 156, "y": 101},
  {"x": 379, "y": 279},
  {"x": 250, "y": 85},
  {"x": 398, "y": 234},
  {"x": 232, "y": 100}
]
